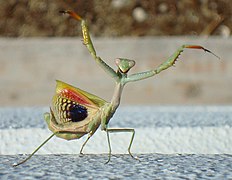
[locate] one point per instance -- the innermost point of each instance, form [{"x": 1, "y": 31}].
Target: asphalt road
[{"x": 149, "y": 166}]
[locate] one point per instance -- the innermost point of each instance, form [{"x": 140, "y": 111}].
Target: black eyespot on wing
[{"x": 77, "y": 112}]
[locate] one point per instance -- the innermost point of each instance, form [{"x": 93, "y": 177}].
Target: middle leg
[{"x": 116, "y": 130}]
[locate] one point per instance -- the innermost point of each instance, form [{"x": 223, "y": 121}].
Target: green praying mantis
[{"x": 75, "y": 113}]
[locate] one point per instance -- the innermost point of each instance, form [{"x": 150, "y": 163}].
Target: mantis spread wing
[{"x": 71, "y": 104}]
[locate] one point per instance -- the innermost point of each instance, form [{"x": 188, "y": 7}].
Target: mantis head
[{"x": 124, "y": 65}]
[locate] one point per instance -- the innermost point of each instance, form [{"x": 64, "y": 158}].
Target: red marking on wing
[{"x": 76, "y": 97}]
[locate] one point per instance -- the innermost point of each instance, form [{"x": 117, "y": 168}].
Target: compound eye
[{"x": 131, "y": 63}]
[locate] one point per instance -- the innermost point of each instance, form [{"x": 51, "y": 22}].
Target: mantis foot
[{"x": 135, "y": 158}]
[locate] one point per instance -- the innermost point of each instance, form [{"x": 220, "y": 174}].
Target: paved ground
[
  {"x": 150, "y": 166},
  {"x": 172, "y": 142}
]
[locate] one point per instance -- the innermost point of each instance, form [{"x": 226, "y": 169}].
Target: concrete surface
[
  {"x": 200, "y": 130},
  {"x": 172, "y": 142},
  {"x": 150, "y": 166},
  {"x": 29, "y": 67}
]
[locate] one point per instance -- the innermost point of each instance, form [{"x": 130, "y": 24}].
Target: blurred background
[{"x": 38, "y": 45}]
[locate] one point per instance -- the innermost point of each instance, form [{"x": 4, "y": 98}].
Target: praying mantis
[{"x": 75, "y": 112}]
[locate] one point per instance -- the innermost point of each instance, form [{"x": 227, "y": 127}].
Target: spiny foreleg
[
  {"x": 85, "y": 32},
  {"x": 172, "y": 59},
  {"x": 167, "y": 64},
  {"x": 88, "y": 43}
]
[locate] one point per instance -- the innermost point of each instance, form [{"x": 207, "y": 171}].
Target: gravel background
[{"x": 117, "y": 17}]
